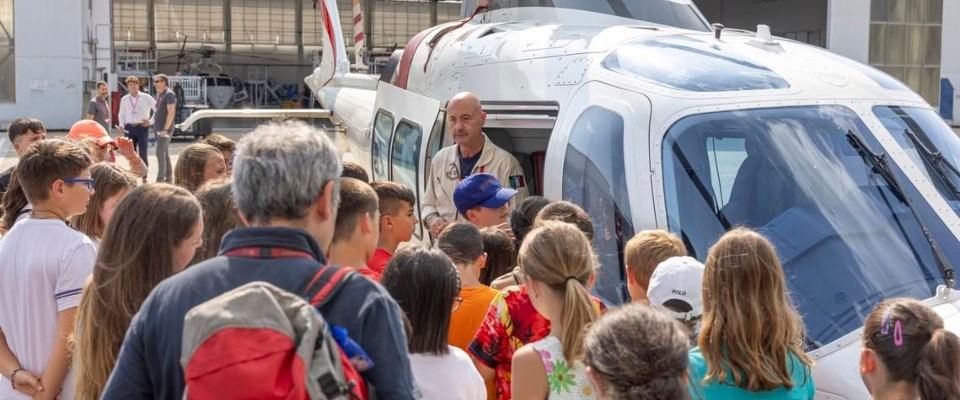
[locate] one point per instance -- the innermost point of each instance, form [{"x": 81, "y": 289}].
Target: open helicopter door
[{"x": 402, "y": 123}]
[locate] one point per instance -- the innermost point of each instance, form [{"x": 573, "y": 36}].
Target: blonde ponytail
[
  {"x": 559, "y": 255},
  {"x": 578, "y": 314}
]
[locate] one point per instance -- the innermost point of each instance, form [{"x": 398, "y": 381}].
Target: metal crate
[{"x": 194, "y": 89}]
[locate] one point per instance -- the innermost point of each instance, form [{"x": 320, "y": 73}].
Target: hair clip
[
  {"x": 885, "y": 327},
  {"x": 897, "y": 334}
]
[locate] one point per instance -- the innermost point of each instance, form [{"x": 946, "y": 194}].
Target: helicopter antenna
[{"x": 183, "y": 54}]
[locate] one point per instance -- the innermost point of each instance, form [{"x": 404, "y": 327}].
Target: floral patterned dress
[{"x": 566, "y": 381}]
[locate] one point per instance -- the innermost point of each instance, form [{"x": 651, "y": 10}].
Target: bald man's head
[{"x": 465, "y": 118}]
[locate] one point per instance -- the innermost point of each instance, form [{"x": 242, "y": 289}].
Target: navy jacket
[{"x": 148, "y": 366}]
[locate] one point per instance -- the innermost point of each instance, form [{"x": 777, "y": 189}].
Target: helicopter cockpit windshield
[
  {"x": 845, "y": 234},
  {"x": 679, "y": 14}
]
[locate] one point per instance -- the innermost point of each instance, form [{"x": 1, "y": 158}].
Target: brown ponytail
[
  {"x": 559, "y": 255},
  {"x": 938, "y": 371},
  {"x": 909, "y": 339}
]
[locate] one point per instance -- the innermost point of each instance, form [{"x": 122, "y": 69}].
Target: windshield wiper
[
  {"x": 879, "y": 163},
  {"x": 936, "y": 159}
]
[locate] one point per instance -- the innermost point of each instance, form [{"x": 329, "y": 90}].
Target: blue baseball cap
[{"x": 480, "y": 190}]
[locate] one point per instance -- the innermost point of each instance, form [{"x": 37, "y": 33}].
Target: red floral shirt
[{"x": 511, "y": 322}]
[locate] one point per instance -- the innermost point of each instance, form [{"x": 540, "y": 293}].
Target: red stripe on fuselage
[
  {"x": 328, "y": 25},
  {"x": 408, "y": 52}
]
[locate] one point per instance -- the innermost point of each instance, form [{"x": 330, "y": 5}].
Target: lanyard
[
  {"x": 134, "y": 104},
  {"x": 267, "y": 253}
]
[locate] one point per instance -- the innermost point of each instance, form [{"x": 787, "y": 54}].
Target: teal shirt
[{"x": 800, "y": 375}]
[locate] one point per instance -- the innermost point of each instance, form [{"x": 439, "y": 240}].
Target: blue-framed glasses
[{"x": 86, "y": 181}]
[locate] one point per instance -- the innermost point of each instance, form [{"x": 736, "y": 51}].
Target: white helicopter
[{"x": 648, "y": 117}]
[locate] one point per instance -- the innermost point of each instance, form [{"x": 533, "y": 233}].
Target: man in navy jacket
[{"x": 286, "y": 189}]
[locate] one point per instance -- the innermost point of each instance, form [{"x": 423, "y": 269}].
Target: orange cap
[{"x": 90, "y": 128}]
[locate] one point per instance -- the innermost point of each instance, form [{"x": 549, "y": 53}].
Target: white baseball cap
[{"x": 676, "y": 287}]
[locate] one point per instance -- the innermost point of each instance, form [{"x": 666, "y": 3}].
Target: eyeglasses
[
  {"x": 457, "y": 302},
  {"x": 87, "y": 181}
]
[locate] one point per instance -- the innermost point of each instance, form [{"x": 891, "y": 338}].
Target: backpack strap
[{"x": 326, "y": 283}]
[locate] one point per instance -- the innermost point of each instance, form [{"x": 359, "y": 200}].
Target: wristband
[{"x": 13, "y": 378}]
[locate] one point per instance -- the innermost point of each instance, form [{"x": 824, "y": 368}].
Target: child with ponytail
[
  {"x": 557, "y": 265},
  {"x": 907, "y": 354}
]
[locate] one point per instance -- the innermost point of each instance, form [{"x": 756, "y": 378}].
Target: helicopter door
[
  {"x": 600, "y": 146},
  {"x": 402, "y": 122}
]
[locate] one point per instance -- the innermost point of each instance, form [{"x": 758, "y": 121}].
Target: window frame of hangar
[
  {"x": 8, "y": 51},
  {"x": 906, "y": 42}
]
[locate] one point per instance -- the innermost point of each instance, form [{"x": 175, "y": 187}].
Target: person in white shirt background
[{"x": 135, "y": 116}]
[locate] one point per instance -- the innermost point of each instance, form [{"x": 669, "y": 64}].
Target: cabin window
[
  {"x": 594, "y": 177},
  {"x": 405, "y": 159},
  {"x": 726, "y": 155},
  {"x": 844, "y": 234},
  {"x": 693, "y": 65},
  {"x": 382, "y": 128}
]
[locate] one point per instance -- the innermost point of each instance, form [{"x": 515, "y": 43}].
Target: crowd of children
[{"x": 100, "y": 273}]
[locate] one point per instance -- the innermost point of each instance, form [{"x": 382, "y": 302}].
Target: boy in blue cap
[{"x": 481, "y": 200}]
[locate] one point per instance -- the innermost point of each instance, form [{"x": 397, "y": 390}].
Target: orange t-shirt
[{"x": 465, "y": 321}]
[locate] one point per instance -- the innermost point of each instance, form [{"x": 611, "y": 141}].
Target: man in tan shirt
[{"x": 472, "y": 152}]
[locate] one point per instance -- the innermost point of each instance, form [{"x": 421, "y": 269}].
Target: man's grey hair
[{"x": 281, "y": 168}]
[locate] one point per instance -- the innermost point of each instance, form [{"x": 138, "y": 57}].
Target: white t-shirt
[
  {"x": 24, "y": 213},
  {"x": 452, "y": 376},
  {"x": 43, "y": 264}
]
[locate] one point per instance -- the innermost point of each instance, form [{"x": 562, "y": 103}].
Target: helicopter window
[
  {"x": 845, "y": 237},
  {"x": 663, "y": 12},
  {"x": 382, "y": 128},
  {"x": 594, "y": 177},
  {"x": 405, "y": 156},
  {"x": 934, "y": 136},
  {"x": 690, "y": 64},
  {"x": 726, "y": 155}
]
